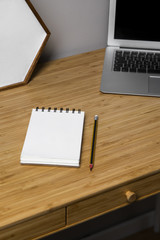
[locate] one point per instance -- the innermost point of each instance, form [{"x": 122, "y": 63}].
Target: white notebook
[{"x": 54, "y": 137}]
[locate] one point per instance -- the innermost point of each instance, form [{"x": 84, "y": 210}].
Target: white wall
[{"x": 76, "y": 26}]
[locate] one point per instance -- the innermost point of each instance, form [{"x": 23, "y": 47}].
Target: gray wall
[{"x": 76, "y": 26}]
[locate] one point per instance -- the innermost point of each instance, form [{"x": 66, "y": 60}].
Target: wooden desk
[{"x": 38, "y": 200}]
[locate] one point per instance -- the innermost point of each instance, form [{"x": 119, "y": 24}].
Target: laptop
[{"x": 132, "y": 57}]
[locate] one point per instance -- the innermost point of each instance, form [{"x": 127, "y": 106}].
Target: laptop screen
[{"x": 137, "y": 20}]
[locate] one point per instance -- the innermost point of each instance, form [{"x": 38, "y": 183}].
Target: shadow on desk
[{"x": 112, "y": 224}]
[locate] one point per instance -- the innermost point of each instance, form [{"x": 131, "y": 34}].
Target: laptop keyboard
[{"x": 134, "y": 61}]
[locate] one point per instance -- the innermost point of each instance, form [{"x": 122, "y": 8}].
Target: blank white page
[{"x": 53, "y": 138}]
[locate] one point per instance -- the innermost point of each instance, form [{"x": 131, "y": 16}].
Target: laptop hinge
[{"x": 148, "y": 49}]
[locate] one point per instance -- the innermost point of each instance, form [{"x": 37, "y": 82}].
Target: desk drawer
[
  {"x": 112, "y": 199},
  {"x": 36, "y": 227}
]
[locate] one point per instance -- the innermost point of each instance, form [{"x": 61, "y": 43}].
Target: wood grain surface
[
  {"x": 111, "y": 200},
  {"x": 127, "y": 146}
]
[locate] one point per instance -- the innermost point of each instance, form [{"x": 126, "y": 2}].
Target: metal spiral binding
[{"x": 55, "y": 109}]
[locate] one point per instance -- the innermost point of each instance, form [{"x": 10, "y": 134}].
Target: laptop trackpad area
[{"x": 154, "y": 84}]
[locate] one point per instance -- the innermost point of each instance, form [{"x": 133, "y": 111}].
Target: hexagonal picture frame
[{"x": 23, "y": 36}]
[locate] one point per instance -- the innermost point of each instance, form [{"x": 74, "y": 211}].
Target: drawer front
[
  {"x": 35, "y": 227},
  {"x": 112, "y": 199}
]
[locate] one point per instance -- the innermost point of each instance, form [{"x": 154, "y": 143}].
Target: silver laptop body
[{"x": 133, "y": 31}]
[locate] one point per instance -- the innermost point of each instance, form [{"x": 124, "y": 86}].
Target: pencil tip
[{"x": 90, "y": 166}]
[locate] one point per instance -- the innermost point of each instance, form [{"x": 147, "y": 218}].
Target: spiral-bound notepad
[{"x": 54, "y": 137}]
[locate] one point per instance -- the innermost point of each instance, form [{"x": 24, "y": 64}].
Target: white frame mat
[{"x": 23, "y": 35}]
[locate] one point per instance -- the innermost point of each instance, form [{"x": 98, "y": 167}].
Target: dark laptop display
[{"x": 137, "y": 20}]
